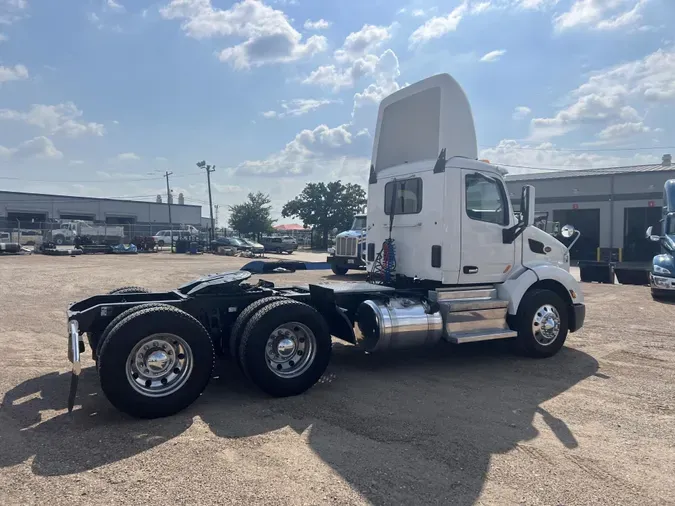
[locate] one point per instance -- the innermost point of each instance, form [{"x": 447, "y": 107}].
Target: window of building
[
  {"x": 405, "y": 195},
  {"x": 486, "y": 199}
]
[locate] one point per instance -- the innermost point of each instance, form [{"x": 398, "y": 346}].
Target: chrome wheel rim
[
  {"x": 546, "y": 325},
  {"x": 290, "y": 350},
  {"x": 159, "y": 365}
]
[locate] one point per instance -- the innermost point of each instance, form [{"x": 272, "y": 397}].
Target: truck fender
[{"x": 515, "y": 288}]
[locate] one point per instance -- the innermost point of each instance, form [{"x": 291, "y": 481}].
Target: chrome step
[
  {"x": 472, "y": 321},
  {"x": 474, "y": 337},
  {"x": 478, "y": 292},
  {"x": 472, "y": 304}
]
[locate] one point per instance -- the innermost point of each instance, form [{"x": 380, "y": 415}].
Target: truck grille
[{"x": 346, "y": 246}]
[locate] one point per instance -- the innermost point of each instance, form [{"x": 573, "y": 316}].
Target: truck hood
[{"x": 351, "y": 233}]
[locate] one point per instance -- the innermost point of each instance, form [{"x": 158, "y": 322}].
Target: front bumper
[
  {"x": 349, "y": 262},
  {"x": 577, "y": 317},
  {"x": 661, "y": 282}
]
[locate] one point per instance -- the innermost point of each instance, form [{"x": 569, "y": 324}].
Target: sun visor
[{"x": 418, "y": 121}]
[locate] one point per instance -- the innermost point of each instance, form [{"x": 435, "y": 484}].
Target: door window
[{"x": 486, "y": 199}]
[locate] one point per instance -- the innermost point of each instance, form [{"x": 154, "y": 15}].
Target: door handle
[{"x": 470, "y": 269}]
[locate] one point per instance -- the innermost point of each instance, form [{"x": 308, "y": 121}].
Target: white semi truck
[
  {"x": 349, "y": 251},
  {"x": 69, "y": 230},
  {"x": 447, "y": 261}
]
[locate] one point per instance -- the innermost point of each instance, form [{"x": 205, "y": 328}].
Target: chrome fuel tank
[{"x": 397, "y": 323}]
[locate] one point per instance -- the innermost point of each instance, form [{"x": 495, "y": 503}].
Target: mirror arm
[{"x": 511, "y": 234}]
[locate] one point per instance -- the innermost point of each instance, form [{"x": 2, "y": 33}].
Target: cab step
[{"x": 474, "y": 337}]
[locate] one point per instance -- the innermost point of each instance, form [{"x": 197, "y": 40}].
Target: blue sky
[{"x": 99, "y": 97}]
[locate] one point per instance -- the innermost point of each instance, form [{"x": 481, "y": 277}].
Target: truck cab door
[{"x": 485, "y": 214}]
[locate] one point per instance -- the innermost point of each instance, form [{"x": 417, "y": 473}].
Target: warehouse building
[
  {"x": 37, "y": 211},
  {"x": 611, "y": 207}
]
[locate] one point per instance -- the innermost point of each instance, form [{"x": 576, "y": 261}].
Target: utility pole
[
  {"x": 216, "y": 206},
  {"x": 168, "y": 201},
  {"x": 209, "y": 169}
]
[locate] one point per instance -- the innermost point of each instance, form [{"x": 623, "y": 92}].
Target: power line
[
  {"x": 117, "y": 181},
  {"x": 580, "y": 150}
]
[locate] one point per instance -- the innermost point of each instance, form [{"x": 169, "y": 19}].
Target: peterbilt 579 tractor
[{"x": 447, "y": 262}]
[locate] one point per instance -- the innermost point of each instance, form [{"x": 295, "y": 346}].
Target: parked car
[
  {"x": 287, "y": 239},
  {"x": 277, "y": 245},
  {"x": 254, "y": 246},
  {"x": 230, "y": 242}
]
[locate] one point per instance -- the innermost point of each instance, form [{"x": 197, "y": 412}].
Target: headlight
[{"x": 660, "y": 270}]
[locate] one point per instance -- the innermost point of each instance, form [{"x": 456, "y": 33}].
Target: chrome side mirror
[
  {"x": 567, "y": 231},
  {"x": 652, "y": 237}
]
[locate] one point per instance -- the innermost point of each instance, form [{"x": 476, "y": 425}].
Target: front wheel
[
  {"x": 59, "y": 240},
  {"x": 541, "y": 323},
  {"x": 285, "y": 348},
  {"x": 339, "y": 270},
  {"x": 155, "y": 362}
]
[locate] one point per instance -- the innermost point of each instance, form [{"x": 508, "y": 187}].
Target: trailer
[{"x": 447, "y": 261}]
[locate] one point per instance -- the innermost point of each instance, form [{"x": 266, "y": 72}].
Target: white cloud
[
  {"x": 125, "y": 157},
  {"x": 115, "y": 6},
  {"x": 535, "y": 4},
  {"x": 548, "y": 156},
  {"x": 385, "y": 74},
  {"x": 56, "y": 119},
  {"x": 269, "y": 36},
  {"x": 16, "y": 73},
  {"x": 321, "y": 24},
  {"x": 600, "y": 14},
  {"x": 493, "y": 56},
  {"x": 3, "y": 37},
  {"x": 623, "y": 130},
  {"x": 76, "y": 162},
  {"x": 300, "y": 156},
  {"x": 298, "y": 107},
  {"x": 438, "y": 26},
  {"x": 40, "y": 148},
  {"x": 10, "y": 11},
  {"x": 521, "y": 112},
  {"x": 367, "y": 40},
  {"x": 418, "y": 13},
  {"x": 612, "y": 94}
]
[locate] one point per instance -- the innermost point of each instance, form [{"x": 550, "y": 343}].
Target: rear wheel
[
  {"x": 339, "y": 270},
  {"x": 95, "y": 338},
  {"x": 159, "y": 364},
  {"x": 542, "y": 324},
  {"x": 285, "y": 348},
  {"x": 129, "y": 289},
  {"x": 241, "y": 321}
]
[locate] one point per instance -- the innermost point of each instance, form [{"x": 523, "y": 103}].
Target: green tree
[
  {"x": 252, "y": 216},
  {"x": 327, "y": 206}
]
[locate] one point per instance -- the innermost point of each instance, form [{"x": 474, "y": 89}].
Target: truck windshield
[{"x": 359, "y": 223}]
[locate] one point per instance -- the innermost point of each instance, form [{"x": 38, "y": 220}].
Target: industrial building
[
  {"x": 37, "y": 211},
  {"x": 611, "y": 207}
]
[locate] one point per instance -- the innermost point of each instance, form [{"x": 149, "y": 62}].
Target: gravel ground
[{"x": 464, "y": 425}]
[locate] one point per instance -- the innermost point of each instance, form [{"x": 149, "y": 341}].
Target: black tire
[
  {"x": 241, "y": 321},
  {"x": 339, "y": 270},
  {"x": 526, "y": 342},
  {"x": 96, "y": 341},
  {"x": 278, "y": 251},
  {"x": 59, "y": 240},
  {"x": 252, "y": 348},
  {"x": 121, "y": 341},
  {"x": 160, "y": 244},
  {"x": 129, "y": 289}
]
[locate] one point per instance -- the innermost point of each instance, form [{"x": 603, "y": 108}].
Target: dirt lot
[{"x": 466, "y": 425}]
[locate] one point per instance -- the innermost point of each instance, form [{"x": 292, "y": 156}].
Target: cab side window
[{"x": 486, "y": 199}]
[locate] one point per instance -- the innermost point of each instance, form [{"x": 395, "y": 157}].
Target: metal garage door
[
  {"x": 636, "y": 247},
  {"x": 587, "y": 221}
]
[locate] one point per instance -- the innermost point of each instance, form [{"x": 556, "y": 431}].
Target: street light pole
[{"x": 168, "y": 201}]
